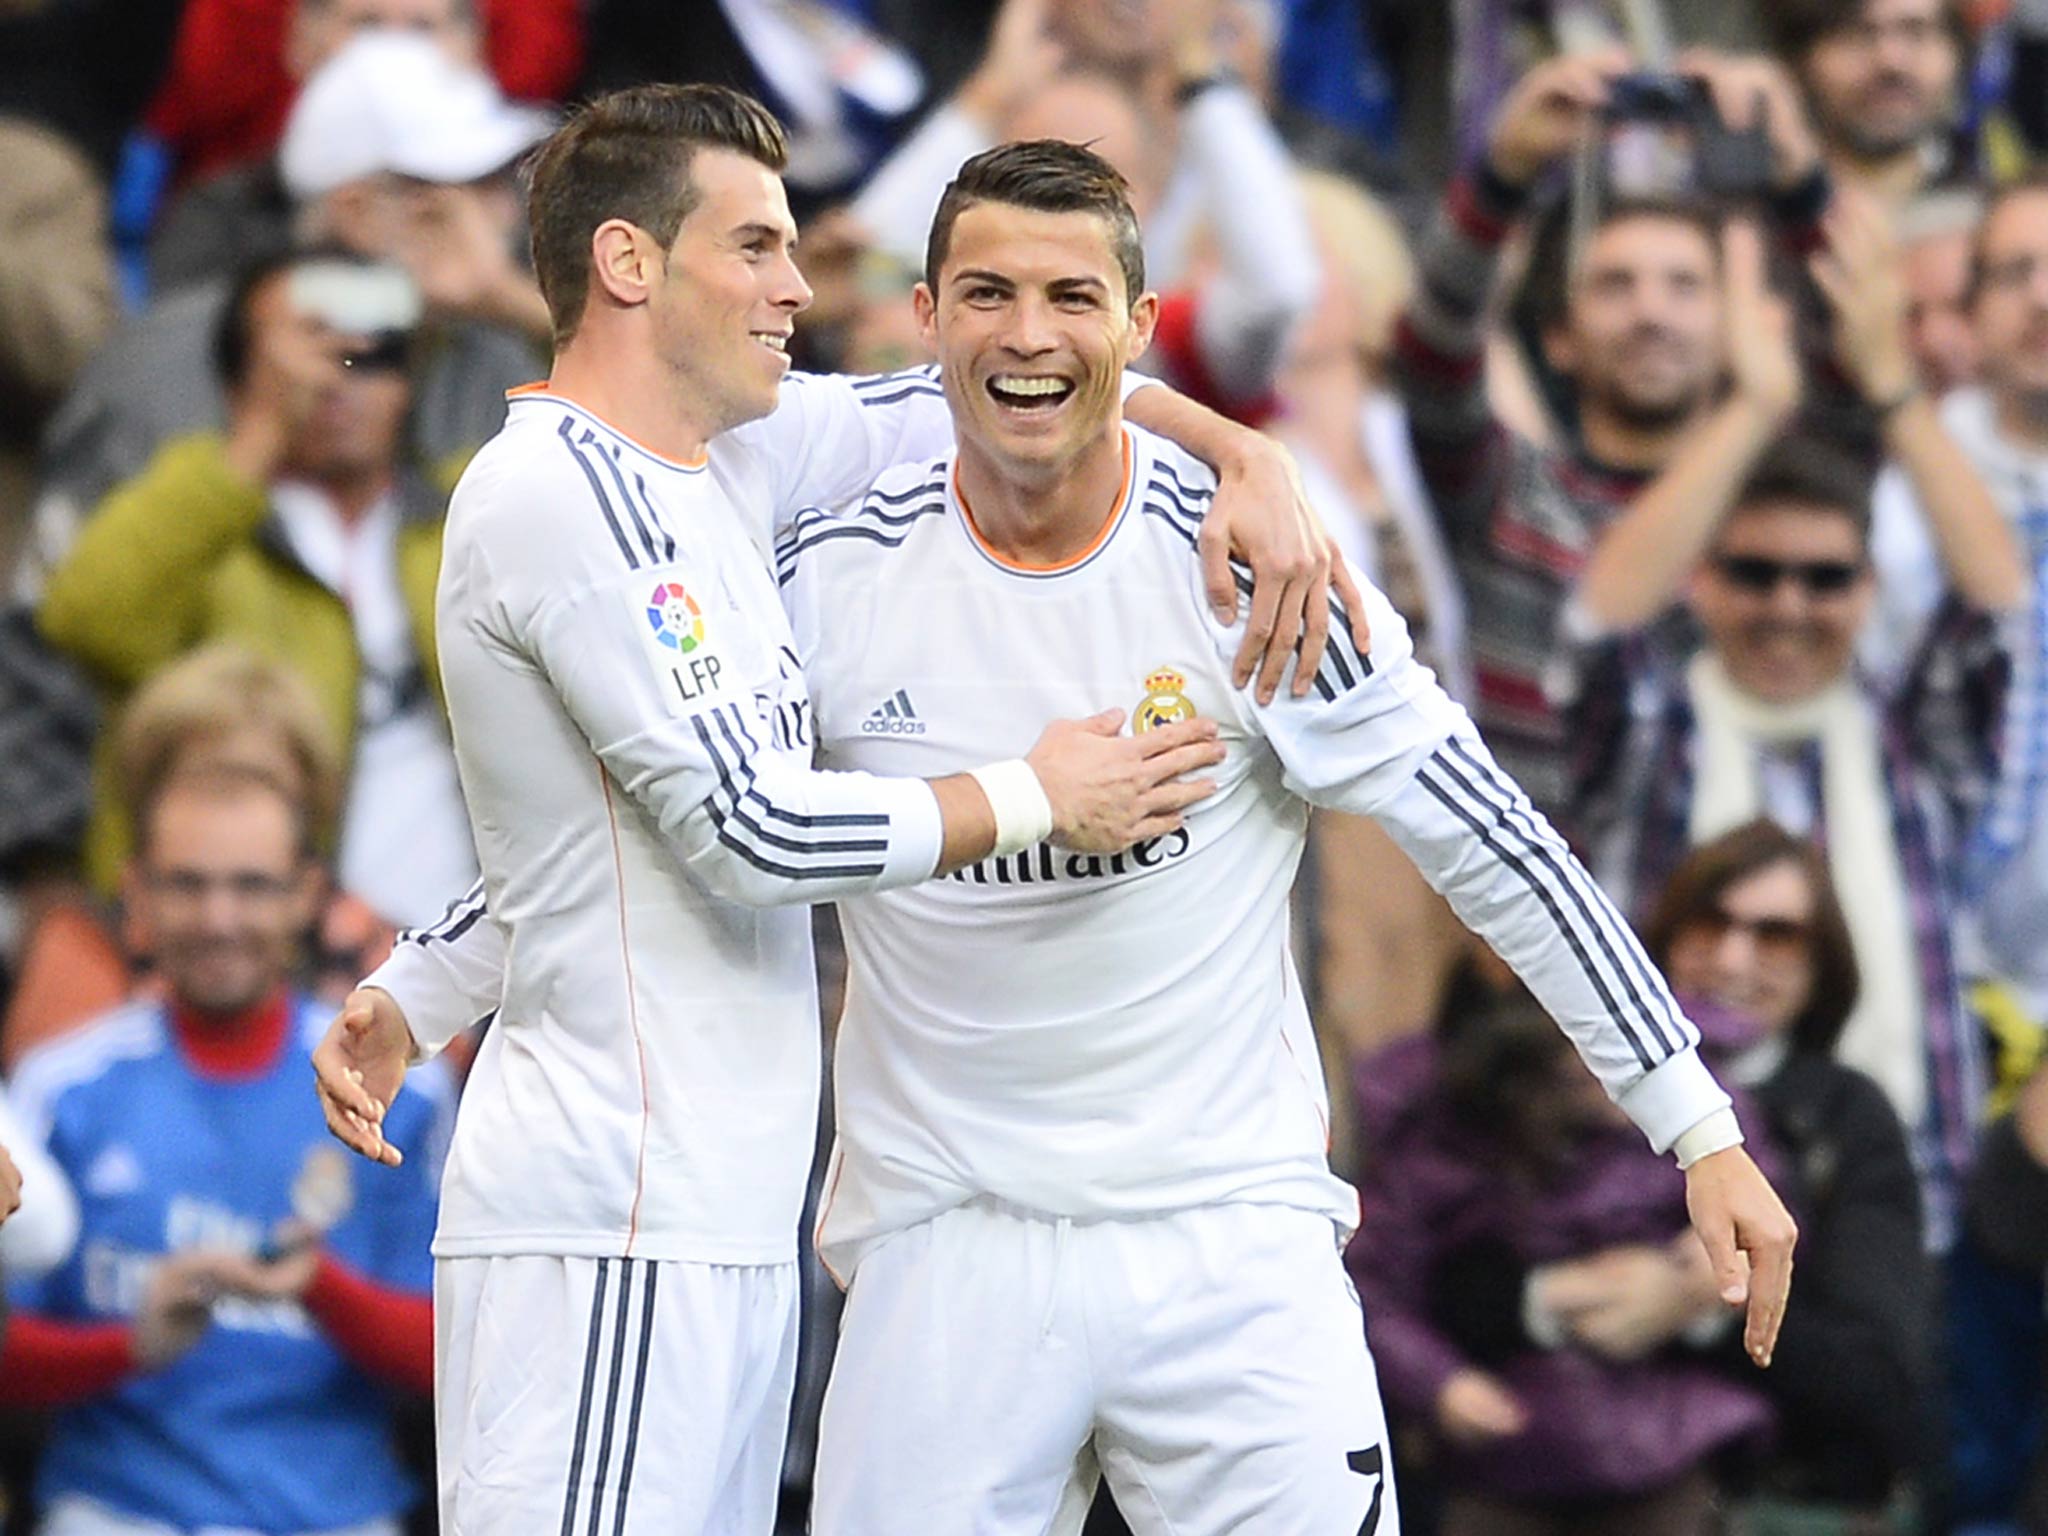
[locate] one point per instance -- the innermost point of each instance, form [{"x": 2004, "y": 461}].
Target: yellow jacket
[{"x": 186, "y": 553}]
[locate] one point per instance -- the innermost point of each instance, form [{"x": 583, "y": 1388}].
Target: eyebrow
[
  {"x": 758, "y": 230},
  {"x": 984, "y": 275}
]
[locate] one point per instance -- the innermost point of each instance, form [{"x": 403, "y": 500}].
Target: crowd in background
[{"x": 1678, "y": 368}]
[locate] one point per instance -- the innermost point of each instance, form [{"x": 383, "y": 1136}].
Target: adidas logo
[{"x": 893, "y": 717}]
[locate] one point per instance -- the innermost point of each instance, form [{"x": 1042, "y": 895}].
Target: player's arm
[{"x": 1377, "y": 736}]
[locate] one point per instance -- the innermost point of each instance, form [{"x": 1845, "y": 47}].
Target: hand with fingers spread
[
  {"x": 1109, "y": 791},
  {"x": 1262, "y": 515},
  {"x": 358, "y": 1069},
  {"x": 1749, "y": 1236},
  {"x": 1864, "y": 280},
  {"x": 1550, "y": 109}
]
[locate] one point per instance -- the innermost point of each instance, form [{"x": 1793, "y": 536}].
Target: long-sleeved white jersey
[
  {"x": 1091, "y": 1036},
  {"x": 632, "y": 731}
]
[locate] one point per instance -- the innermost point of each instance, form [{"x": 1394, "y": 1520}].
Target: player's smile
[{"x": 1029, "y": 394}]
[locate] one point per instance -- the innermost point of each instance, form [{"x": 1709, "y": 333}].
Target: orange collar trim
[
  {"x": 539, "y": 390},
  {"x": 1028, "y": 568}
]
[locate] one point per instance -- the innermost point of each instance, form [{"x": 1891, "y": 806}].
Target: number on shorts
[{"x": 1370, "y": 1463}]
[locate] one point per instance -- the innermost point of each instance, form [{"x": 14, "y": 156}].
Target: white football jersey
[
  {"x": 1110, "y": 1036},
  {"x": 633, "y": 735}
]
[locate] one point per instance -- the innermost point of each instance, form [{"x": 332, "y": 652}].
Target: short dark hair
[
  {"x": 1693, "y": 894},
  {"x": 1795, "y": 26},
  {"x": 2033, "y": 184},
  {"x": 1812, "y": 471},
  {"x": 626, "y": 155},
  {"x": 1047, "y": 176}
]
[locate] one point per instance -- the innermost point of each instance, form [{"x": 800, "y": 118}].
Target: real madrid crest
[{"x": 1165, "y": 702}]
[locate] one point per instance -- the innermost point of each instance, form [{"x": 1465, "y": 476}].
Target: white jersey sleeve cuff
[
  {"x": 917, "y": 832},
  {"x": 435, "y": 1005},
  {"x": 1672, "y": 1098}
]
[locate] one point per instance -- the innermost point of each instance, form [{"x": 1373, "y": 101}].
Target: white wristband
[
  {"x": 1717, "y": 1133},
  {"x": 1023, "y": 814}
]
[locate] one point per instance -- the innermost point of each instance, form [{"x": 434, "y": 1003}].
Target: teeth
[
  {"x": 1010, "y": 384},
  {"x": 773, "y": 339}
]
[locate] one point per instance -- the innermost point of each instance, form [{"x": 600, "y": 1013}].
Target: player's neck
[
  {"x": 633, "y": 395},
  {"x": 1610, "y": 439},
  {"x": 1044, "y": 516}
]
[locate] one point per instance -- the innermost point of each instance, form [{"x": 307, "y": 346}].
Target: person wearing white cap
[{"x": 396, "y": 152}]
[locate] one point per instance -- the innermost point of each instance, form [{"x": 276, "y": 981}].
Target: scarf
[{"x": 1886, "y": 1035}]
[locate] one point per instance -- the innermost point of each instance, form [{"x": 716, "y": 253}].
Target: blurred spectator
[
  {"x": 1636, "y": 325},
  {"x": 1223, "y": 327},
  {"x": 1210, "y": 157},
  {"x": 396, "y": 156},
  {"x": 1883, "y": 79},
  {"x": 301, "y": 532},
  {"x": 1645, "y": 556},
  {"x": 1772, "y": 717},
  {"x": 1936, "y": 235},
  {"x": 237, "y": 64},
  {"x": 243, "y": 1290},
  {"x": 1750, "y": 923},
  {"x": 1494, "y": 1169},
  {"x": 2008, "y": 1217},
  {"x": 36, "y": 1203},
  {"x": 57, "y": 300},
  {"x": 1384, "y": 941},
  {"x": 841, "y": 89},
  {"x": 208, "y": 230},
  {"x": 84, "y": 68},
  {"x": 2002, "y": 428}
]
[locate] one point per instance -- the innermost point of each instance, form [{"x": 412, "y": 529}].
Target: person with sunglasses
[
  {"x": 1750, "y": 924},
  {"x": 1769, "y": 714}
]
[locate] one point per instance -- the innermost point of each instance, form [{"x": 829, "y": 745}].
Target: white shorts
[
  {"x": 1210, "y": 1363},
  {"x": 623, "y": 1396}
]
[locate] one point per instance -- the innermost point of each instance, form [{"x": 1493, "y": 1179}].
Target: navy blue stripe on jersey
[
  {"x": 787, "y": 557},
  {"x": 584, "y": 1401},
  {"x": 744, "y": 775},
  {"x": 925, "y": 373},
  {"x": 934, "y": 481},
  {"x": 597, "y": 490},
  {"x": 611, "y": 1395},
  {"x": 457, "y": 920},
  {"x": 653, "y": 1272},
  {"x": 1630, "y": 964},
  {"x": 908, "y": 392},
  {"x": 734, "y": 811},
  {"x": 647, "y": 506},
  {"x": 608, "y": 458},
  {"x": 794, "y": 818},
  {"x": 1435, "y": 778}
]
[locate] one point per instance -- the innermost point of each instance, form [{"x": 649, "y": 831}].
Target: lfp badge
[
  {"x": 677, "y": 644},
  {"x": 677, "y": 621}
]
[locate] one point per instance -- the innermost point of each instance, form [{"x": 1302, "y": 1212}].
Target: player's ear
[
  {"x": 621, "y": 264},
  {"x": 1144, "y": 320},
  {"x": 926, "y": 306}
]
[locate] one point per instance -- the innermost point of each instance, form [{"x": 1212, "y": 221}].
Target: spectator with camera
[
  {"x": 395, "y": 153},
  {"x": 221, "y": 1345},
  {"x": 303, "y": 532},
  {"x": 1636, "y": 328}
]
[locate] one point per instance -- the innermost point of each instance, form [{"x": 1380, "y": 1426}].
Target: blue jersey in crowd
[{"x": 263, "y": 1426}]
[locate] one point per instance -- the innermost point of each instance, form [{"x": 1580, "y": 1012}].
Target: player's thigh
[
  {"x": 960, "y": 1399},
  {"x": 1246, "y": 1399},
  {"x": 621, "y": 1394}
]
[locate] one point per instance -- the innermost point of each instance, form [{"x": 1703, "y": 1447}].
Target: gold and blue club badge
[{"x": 1165, "y": 702}]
